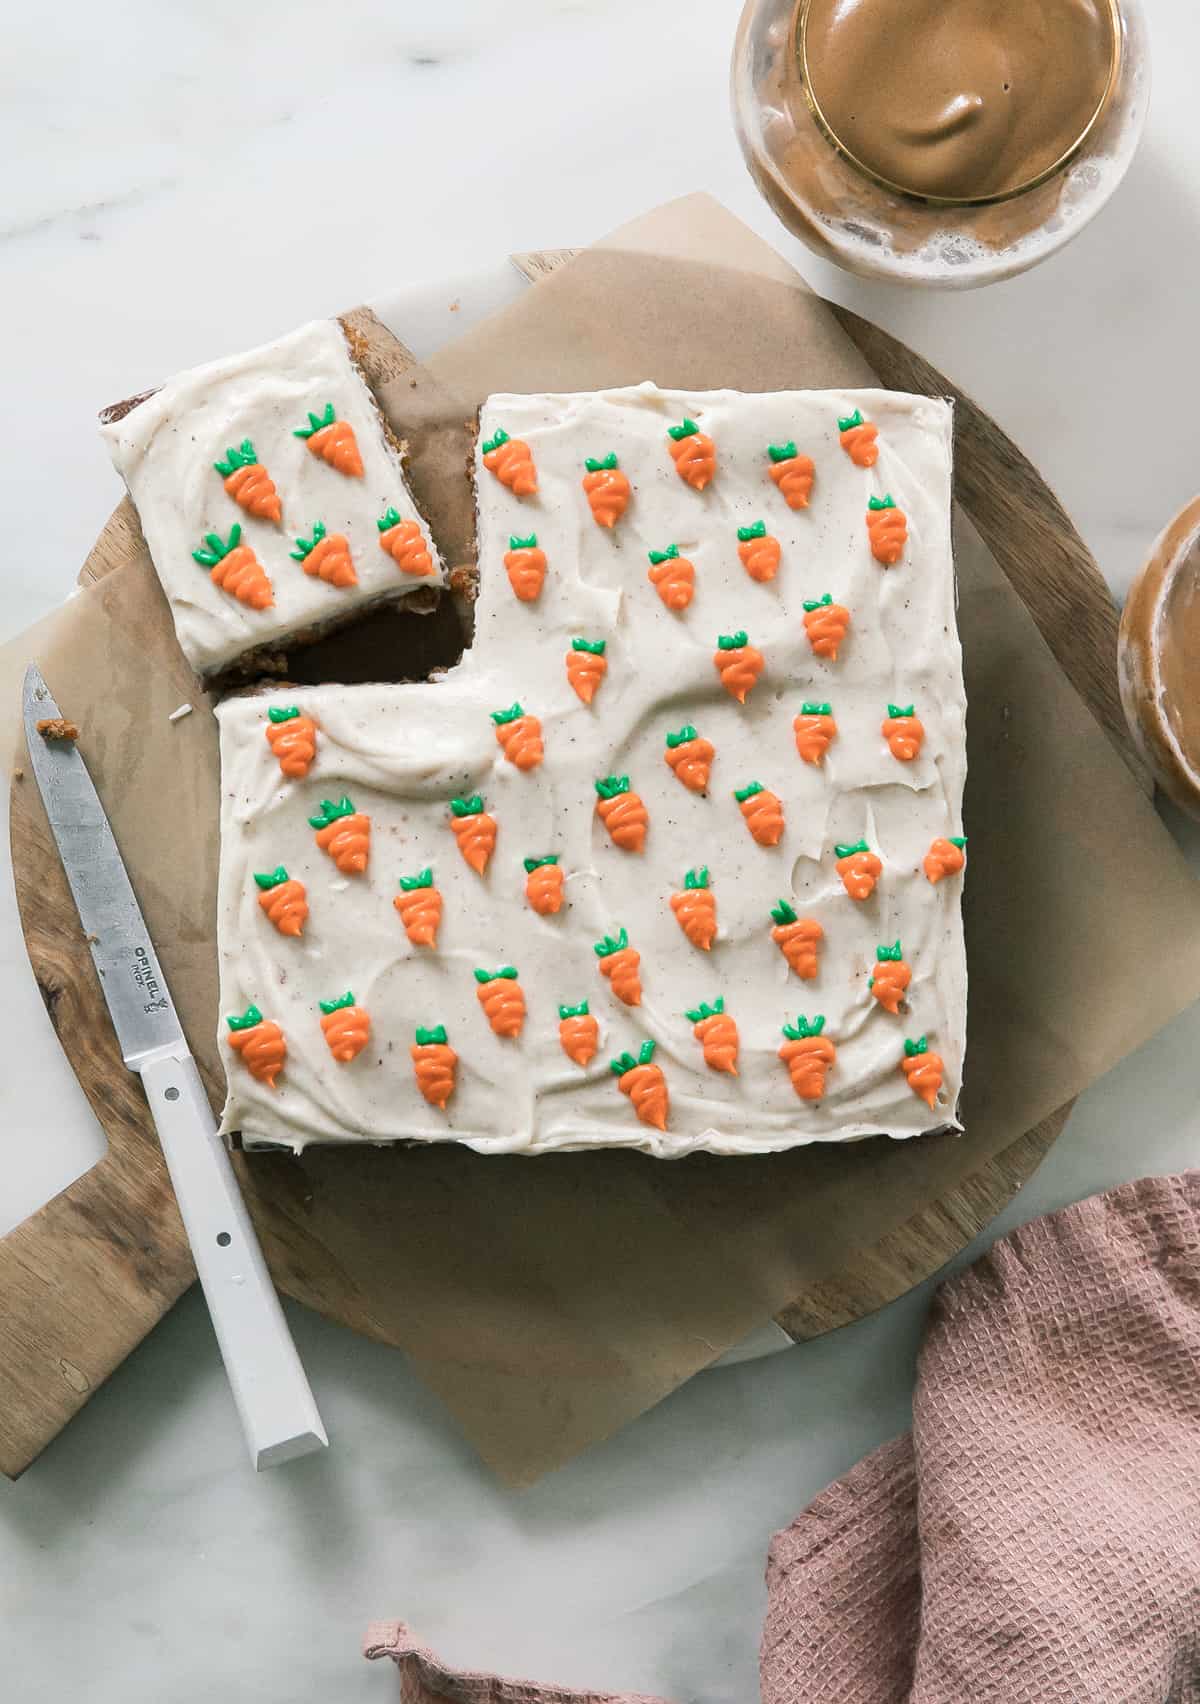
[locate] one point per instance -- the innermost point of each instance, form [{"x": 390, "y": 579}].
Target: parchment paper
[{"x": 549, "y": 1301}]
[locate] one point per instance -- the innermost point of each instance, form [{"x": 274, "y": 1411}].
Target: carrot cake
[
  {"x": 673, "y": 859},
  {"x": 272, "y": 499}
]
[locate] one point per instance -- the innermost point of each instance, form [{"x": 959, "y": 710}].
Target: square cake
[
  {"x": 672, "y": 859},
  {"x": 271, "y": 496}
]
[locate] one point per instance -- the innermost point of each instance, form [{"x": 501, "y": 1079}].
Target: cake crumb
[
  {"x": 455, "y": 305},
  {"x": 18, "y": 775},
  {"x": 91, "y": 940},
  {"x": 57, "y": 728},
  {"x": 178, "y": 715}
]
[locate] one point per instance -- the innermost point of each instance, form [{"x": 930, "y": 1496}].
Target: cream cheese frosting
[
  {"x": 402, "y": 752},
  {"x": 166, "y": 449}
]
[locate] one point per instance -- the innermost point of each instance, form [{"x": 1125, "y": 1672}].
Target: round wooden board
[{"x": 114, "y": 1241}]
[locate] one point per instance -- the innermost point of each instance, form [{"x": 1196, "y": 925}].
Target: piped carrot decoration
[
  {"x": 798, "y": 939},
  {"x": 234, "y": 567},
  {"x": 608, "y": 490},
  {"x": 887, "y": 529},
  {"x": 284, "y": 901},
  {"x": 859, "y": 868},
  {"x": 292, "y": 736},
  {"x": 347, "y": 1027},
  {"x": 327, "y": 556},
  {"x": 903, "y": 731},
  {"x": 690, "y": 758},
  {"x": 645, "y": 1085},
  {"x": 420, "y": 907},
  {"x": 587, "y": 666},
  {"x": 620, "y": 962},
  {"x": 249, "y": 484},
  {"x": 793, "y": 473},
  {"x": 578, "y": 1033},
  {"x": 405, "y": 543},
  {"x": 525, "y": 561},
  {"x": 826, "y": 624},
  {"x": 520, "y": 737},
  {"x": 672, "y": 576},
  {"x": 923, "y": 1069},
  {"x": 343, "y": 833},
  {"x": 695, "y": 909},
  {"x": 261, "y": 1044},
  {"x": 332, "y": 440},
  {"x": 815, "y": 731},
  {"x": 763, "y": 812},
  {"x": 622, "y": 813},
  {"x": 435, "y": 1065},
  {"x": 717, "y": 1034},
  {"x": 858, "y": 439},
  {"x": 809, "y": 1056},
  {"x": 544, "y": 884},
  {"x": 475, "y": 831},
  {"x": 738, "y": 664},
  {"x": 694, "y": 454},
  {"x": 759, "y": 551},
  {"x": 891, "y": 979},
  {"x": 511, "y": 460},
  {"x": 945, "y": 857},
  {"x": 502, "y": 999}
]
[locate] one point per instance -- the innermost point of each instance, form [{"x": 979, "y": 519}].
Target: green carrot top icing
[
  {"x": 506, "y": 973},
  {"x": 515, "y": 543},
  {"x": 611, "y": 944},
  {"x": 686, "y": 429},
  {"x": 503, "y": 717},
  {"x": 804, "y": 1027},
  {"x": 601, "y": 464},
  {"x": 316, "y": 422},
  {"x": 596, "y": 647},
  {"x": 342, "y": 1005},
  {"x": 758, "y": 529},
  {"x": 670, "y": 554},
  {"x": 813, "y": 709},
  {"x": 389, "y": 519},
  {"x": 818, "y": 603},
  {"x": 331, "y": 812},
  {"x": 218, "y": 549},
  {"x": 741, "y": 794},
  {"x": 422, "y": 879},
  {"x": 847, "y": 422},
  {"x": 248, "y": 1019},
  {"x": 959, "y": 840},
  {"x": 899, "y": 712},
  {"x": 685, "y": 734},
  {"x": 783, "y": 913},
  {"x": 913, "y": 1048},
  {"x": 273, "y": 879},
  {"x": 697, "y": 1014},
  {"x": 732, "y": 641},
  {"x": 894, "y": 954},
  {"x": 626, "y": 1062},
  {"x": 500, "y": 439},
  {"x": 306, "y": 546},
  {"x": 877, "y": 503},
  {"x": 467, "y": 807},
  {"x": 696, "y": 878},
  {"x": 612, "y": 785},
  {"x": 243, "y": 456},
  {"x": 435, "y": 1037},
  {"x": 283, "y": 713},
  {"x": 580, "y": 1011},
  {"x": 532, "y": 864},
  {"x": 782, "y": 452}
]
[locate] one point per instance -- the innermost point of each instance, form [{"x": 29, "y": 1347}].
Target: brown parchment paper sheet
[{"x": 549, "y": 1301}]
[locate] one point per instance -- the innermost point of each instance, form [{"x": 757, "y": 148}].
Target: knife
[{"x": 274, "y": 1402}]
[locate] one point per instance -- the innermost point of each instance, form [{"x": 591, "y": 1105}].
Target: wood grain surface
[{"x": 87, "y": 1277}]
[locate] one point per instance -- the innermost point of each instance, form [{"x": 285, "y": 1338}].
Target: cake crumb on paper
[
  {"x": 18, "y": 775},
  {"x": 57, "y": 728},
  {"x": 178, "y": 715}
]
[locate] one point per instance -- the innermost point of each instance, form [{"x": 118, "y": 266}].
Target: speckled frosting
[{"x": 402, "y": 753}]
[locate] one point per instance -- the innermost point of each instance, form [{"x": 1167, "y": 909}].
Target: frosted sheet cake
[
  {"x": 272, "y": 499},
  {"x": 673, "y": 858}
]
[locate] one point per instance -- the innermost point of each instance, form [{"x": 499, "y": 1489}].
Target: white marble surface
[{"x": 184, "y": 180}]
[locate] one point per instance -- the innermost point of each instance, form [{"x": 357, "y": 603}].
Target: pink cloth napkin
[{"x": 1036, "y": 1540}]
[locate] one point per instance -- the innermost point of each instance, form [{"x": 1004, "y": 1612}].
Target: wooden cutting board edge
[{"x": 96, "y": 1243}]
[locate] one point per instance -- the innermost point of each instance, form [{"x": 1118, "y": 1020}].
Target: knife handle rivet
[
  {"x": 223, "y": 1239},
  {"x": 171, "y": 1094}
]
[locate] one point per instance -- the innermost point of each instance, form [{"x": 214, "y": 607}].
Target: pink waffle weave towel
[{"x": 1036, "y": 1540}]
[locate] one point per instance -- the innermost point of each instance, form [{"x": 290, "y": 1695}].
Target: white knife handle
[{"x": 274, "y": 1402}]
